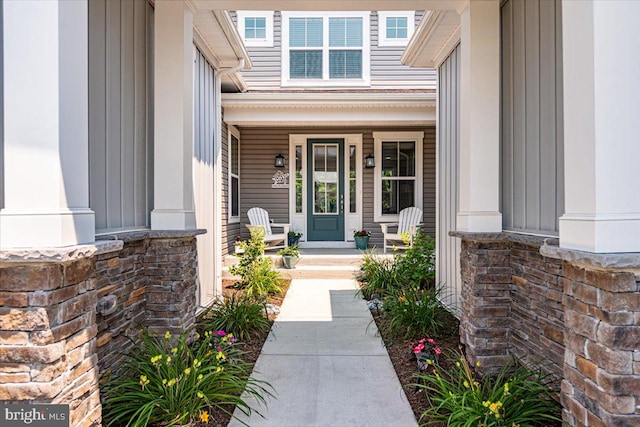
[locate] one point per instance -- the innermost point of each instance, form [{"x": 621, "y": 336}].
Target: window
[
  {"x": 398, "y": 173},
  {"x": 256, "y": 28},
  {"x": 234, "y": 176},
  {"x": 299, "y": 180},
  {"x": 395, "y": 28},
  {"x": 330, "y": 49}
]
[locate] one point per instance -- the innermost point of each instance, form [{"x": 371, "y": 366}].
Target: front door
[{"x": 325, "y": 200}]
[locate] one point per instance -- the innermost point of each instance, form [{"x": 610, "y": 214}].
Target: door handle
[{"x": 342, "y": 203}]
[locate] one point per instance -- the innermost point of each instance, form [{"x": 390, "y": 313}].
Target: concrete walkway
[{"x": 326, "y": 364}]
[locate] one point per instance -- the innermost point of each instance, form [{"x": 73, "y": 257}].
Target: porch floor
[{"x": 327, "y": 364}]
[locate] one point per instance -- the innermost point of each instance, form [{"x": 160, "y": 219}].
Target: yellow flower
[
  {"x": 220, "y": 356},
  {"x": 167, "y": 335},
  {"x": 164, "y": 381},
  {"x": 204, "y": 416},
  {"x": 219, "y": 369},
  {"x": 196, "y": 363},
  {"x": 168, "y": 359},
  {"x": 200, "y": 377},
  {"x": 187, "y": 371},
  {"x": 486, "y": 403},
  {"x": 478, "y": 364},
  {"x": 197, "y": 336},
  {"x": 200, "y": 395},
  {"x": 174, "y": 350},
  {"x": 466, "y": 384},
  {"x": 156, "y": 359},
  {"x": 171, "y": 382},
  {"x": 506, "y": 388},
  {"x": 458, "y": 364},
  {"x": 402, "y": 299},
  {"x": 143, "y": 381},
  {"x": 451, "y": 395}
]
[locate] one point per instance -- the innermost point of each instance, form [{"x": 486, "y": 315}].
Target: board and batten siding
[
  {"x": 532, "y": 116},
  {"x": 447, "y": 171},
  {"x": 259, "y": 146},
  {"x": 120, "y": 113},
  {"x": 203, "y": 173},
  {"x": 386, "y": 69},
  {"x": 1, "y": 109}
]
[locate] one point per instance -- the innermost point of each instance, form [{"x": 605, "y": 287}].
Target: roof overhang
[
  {"x": 218, "y": 39},
  {"x": 438, "y": 33},
  {"x": 322, "y": 5},
  {"x": 329, "y": 109}
]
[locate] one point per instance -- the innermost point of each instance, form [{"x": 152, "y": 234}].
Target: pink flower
[
  {"x": 431, "y": 341},
  {"x": 418, "y": 348},
  {"x": 219, "y": 349},
  {"x": 220, "y": 333},
  {"x": 437, "y": 351}
]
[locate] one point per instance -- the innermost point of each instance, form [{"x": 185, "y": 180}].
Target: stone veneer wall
[
  {"x": 53, "y": 341},
  {"x": 576, "y": 313}
]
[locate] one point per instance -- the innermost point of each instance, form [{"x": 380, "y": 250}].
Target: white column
[
  {"x": 173, "y": 116},
  {"x": 479, "y": 118},
  {"x": 46, "y": 145},
  {"x": 601, "y": 114}
]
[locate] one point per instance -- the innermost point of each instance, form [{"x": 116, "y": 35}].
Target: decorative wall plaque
[{"x": 280, "y": 180}]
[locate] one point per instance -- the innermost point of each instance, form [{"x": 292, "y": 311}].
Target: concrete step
[{"x": 311, "y": 272}]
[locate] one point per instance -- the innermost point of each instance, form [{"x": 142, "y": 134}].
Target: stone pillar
[
  {"x": 173, "y": 117},
  {"x": 47, "y": 332},
  {"x": 45, "y": 154},
  {"x": 480, "y": 118},
  {"x": 601, "y": 385},
  {"x": 485, "y": 302},
  {"x": 171, "y": 268},
  {"x": 602, "y": 203}
]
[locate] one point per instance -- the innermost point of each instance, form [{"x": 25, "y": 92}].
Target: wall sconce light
[
  {"x": 279, "y": 162},
  {"x": 369, "y": 161}
]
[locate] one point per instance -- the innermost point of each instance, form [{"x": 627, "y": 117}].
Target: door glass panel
[
  {"x": 298, "y": 179},
  {"x": 352, "y": 179},
  {"x": 325, "y": 178}
]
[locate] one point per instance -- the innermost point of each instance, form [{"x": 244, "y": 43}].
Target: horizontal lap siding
[
  {"x": 448, "y": 248},
  {"x": 120, "y": 113},
  {"x": 532, "y": 117},
  {"x": 388, "y": 71},
  {"x": 261, "y": 145}
]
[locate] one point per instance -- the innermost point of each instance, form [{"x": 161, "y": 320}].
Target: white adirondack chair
[
  {"x": 260, "y": 218},
  {"x": 408, "y": 221}
]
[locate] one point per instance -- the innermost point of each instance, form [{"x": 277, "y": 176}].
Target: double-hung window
[
  {"x": 256, "y": 28},
  {"x": 395, "y": 28},
  {"x": 398, "y": 173},
  {"x": 329, "y": 49},
  {"x": 234, "y": 176}
]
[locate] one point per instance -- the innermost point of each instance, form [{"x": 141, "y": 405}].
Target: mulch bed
[{"x": 405, "y": 365}]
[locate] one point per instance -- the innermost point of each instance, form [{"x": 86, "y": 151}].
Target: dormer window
[
  {"x": 256, "y": 28},
  {"x": 395, "y": 28},
  {"x": 328, "y": 49}
]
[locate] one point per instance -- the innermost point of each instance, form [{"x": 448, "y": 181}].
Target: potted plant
[
  {"x": 290, "y": 256},
  {"x": 294, "y": 237},
  {"x": 362, "y": 238}
]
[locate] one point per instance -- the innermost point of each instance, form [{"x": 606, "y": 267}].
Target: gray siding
[
  {"x": 260, "y": 145},
  {"x": 448, "y": 248},
  {"x": 1, "y": 110},
  {"x": 532, "y": 116},
  {"x": 386, "y": 68},
  {"x": 229, "y": 230},
  {"x": 120, "y": 113}
]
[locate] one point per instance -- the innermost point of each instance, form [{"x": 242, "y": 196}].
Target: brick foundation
[
  {"x": 54, "y": 342},
  {"x": 575, "y": 313}
]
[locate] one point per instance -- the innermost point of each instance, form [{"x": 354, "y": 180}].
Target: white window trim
[
  {"x": 365, "y": 81},
  {"x": 382, "y": 27},
  {"x": 233, "y": 219},
  {"x": 268, "y": 15},
  {"x": 378, "y": 138}
]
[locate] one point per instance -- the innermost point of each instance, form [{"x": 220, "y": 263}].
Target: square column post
[
  {"x": 601, "y": 110},
  {"x": 173, "y": 114},
  {"x": 479, "y": 118},
  {"x": 46, "y": 136}
]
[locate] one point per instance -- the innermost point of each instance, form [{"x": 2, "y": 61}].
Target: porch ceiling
[
  {"x": 329, "y": 109},
  {"x": 321, "y": 5}
]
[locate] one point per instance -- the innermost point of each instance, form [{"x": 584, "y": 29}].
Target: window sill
[{"x": 326, "y": 84}]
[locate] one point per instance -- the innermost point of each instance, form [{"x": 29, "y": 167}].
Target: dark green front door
[{"x": 325, "y": 179}]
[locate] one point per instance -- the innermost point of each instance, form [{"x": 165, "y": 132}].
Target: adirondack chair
[
  {"x": 260, "y": 218},
  {"x": 408, "y": 221}
]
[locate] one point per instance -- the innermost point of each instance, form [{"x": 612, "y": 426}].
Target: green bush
[
  {"x": 518, "y": 396},
  {"x": 168, "y": 381},
  {"x": 258, "y": 277},
  {"x": 417, "y": 312},
  {"x": 416, "y": 265},
  {"x": 241, "y": 315},
  {"x": 378, "y": 275}
]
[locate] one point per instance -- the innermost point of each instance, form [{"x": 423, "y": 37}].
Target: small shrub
[
  {"x": 416, "y": 265},
  {"x": 169, "y": 381},
  {"x": 417, "y": 312},
  {"x": 518, "y": 396},
  {"x": 258, "y": 277},
  {"x": 241, "y": 315},
  {"x": 378, "y": 275}
]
